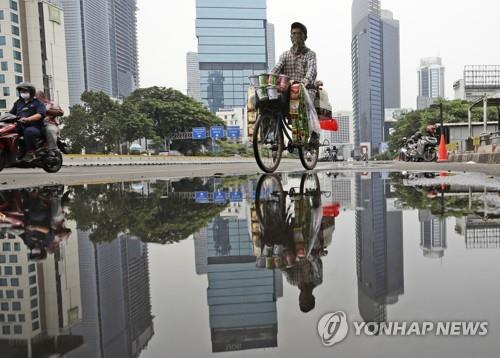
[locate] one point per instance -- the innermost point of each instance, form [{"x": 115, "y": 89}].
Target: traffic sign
[
  {"x": 199, "y": 133},
  {"x": 236, "y": 196},
  {"x": 201, "y": 196},
  {"x": 220, "y": 197},
  {"x": 233, "y": 132},
  {"x": 217, "y": 132}
]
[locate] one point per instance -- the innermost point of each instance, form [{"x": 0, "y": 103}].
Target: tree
[
  {"x": 172, "y": 112},
  {"x": 454, "y": 111}
]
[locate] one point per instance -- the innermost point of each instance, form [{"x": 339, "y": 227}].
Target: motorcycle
[
  {"x": 331, "y": 154},
  {"x": 404, "y": 151},
  {"x": 419, "y": 148},
  {"x": 12, "y": 149}
]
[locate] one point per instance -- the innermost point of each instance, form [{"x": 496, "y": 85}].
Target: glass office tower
[{"x": 232, "y": 45}]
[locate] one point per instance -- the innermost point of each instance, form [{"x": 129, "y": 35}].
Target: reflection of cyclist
[{"x": 303, "y": 233}]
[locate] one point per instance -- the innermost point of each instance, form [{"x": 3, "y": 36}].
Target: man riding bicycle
[{"x": 299, "y": 63}]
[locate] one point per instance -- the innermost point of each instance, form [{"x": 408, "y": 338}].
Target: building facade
[
  {"x": 367, "y": 74},
  {"x": 193, "y": 76},
  {"x": 101, "y": 45},
  {"x": 392, "y": 65},
  {"x": 430, "y": 81},
  {"x": 232, "y": 45}
]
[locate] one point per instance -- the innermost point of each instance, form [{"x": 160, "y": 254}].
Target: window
[
  {"x": 19, "y": 270},
  {"x": 13, "y": 5},
  {"x": 16, "y": 306},
  {"x": 15, "y": 30},
  {"x": 17, "y": 55},
  {"x": 18, "y": 330},
  {"x": 16, "y": 43},
  {"x": 34, "y": 303},
  {"x": 6, "y": 246},
  {"x": 2, "y": 317},
  {"x": 2, "y": 41},
  {"x": 18, "y": 68},
  {"x": 33, "y": 291},
  {"x": 2, "y": 257},
  {"x": 3, "y": 282},
  {"x": 1, "y": 294},
  {"x": 34, "y": 315},
  {"x": 17, "y": 246},
  {"x": 7, "y": 270},
  {"x": 31, "y": 268},
  {"x": 20, "y": 294},
  {"x": 4, "y": 66},
  {"x": 14, "y": 18},
  {"x": 19, "y": 79},
  {"x": 11, "y": 318},
  {"x": 9, "y": 294},
  {"x": 35, "y": 325},
  {"x": 13, "y": 259},
  {"x": 4, "y": 306},
  {"x": 6, "y": 329},
  {"x": 3, "y": 103},
  {"x": 32, "y": 280},
  {"x": 1, "y": 53},
  {"x": 14, "y": 282},
  {"x": 22, "y": 317},
  {"x": 1, "y": 15},
  {"x": 6, "y": 92}
]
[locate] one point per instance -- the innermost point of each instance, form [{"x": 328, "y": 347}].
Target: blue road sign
[
  {"x": 199, "y": 133},
  {"x": 217, "y": 132},
  {"x": 220, "y": 197},
  {"x": 201, "y": 196},
  {"x": 233, "y": 132},
  {"x": 236, "y": 196}
]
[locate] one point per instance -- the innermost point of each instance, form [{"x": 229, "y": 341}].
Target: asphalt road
[{"x": 16, "y": 178}]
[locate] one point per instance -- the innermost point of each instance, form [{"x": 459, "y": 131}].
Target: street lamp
[{"x": 442, "y": 153}]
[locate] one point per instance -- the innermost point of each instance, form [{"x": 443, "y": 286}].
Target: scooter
[{"x": 12, "y": 149}]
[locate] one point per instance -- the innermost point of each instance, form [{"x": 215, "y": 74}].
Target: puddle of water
[{"x": 249, "y": 266}]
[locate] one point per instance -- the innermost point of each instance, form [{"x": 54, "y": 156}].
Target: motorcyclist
[
  {"x": 51, "y": 121},
  {"x": 31, "y": 113}
]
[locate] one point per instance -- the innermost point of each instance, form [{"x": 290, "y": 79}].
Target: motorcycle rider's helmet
[
  {"x": 431, "y": 129},
  {"x": 27, "y": 87}
]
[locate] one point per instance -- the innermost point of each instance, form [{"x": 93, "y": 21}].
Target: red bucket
[{"x": 329, "y": 124}]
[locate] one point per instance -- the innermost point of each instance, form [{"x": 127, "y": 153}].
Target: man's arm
[
  {"x": 278, "y": 68},
  {"x": 14, "y": 109},
  {"x": 312, "y": 69}
]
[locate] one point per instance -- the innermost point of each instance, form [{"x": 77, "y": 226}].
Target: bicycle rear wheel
[{"x": 267, "y": 142}]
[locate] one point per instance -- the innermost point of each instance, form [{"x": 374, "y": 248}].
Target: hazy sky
[{"x": 461, "y": 32}]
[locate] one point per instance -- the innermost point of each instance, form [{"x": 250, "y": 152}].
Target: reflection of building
[
  {"x": 241, "y": 298},
  {"x": 479, "y": 233},
  {"x": 232, "y": 45},
  {"x": 430, "y": 81},
  {"x": 432, "y": 234},
  {"x": 379, "y": 249},
  {"x": 39, "y": 301},
  {"x": 342, "y": 189},
  {"x": 116, "y": 302}
]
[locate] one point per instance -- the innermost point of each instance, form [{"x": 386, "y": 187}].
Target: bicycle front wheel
[
  {"x": 309, "y": 156},
  {"x": 267, "y": 142}
]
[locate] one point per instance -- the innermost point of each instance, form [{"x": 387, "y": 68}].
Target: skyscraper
[
  {"x": 430, "y": 81},
  {"x": 101, "y": 47},
  {"x": 271, "y": 46},
  {"x": 232, "y": 45},
  {"x": 432, "y": 234},
  {"x": 193, "y": 76},
  {"x": 392, "y": 76},
  {"x": 375, "y": 71},
  {"x": 32, "y": 48},
  {"x": 367, "y": 74}
]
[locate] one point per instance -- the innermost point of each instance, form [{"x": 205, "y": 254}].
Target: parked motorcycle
[
  {"x": 419, "y": 148},
  {"x": 13, "y": 149}
]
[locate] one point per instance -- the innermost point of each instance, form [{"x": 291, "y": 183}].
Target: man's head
[
  {"x": 26, "y": 90},
  {"x": 40, "y": 95},
  {"x": 298, "y": 35},
  {"x": 307, "y": 302}
]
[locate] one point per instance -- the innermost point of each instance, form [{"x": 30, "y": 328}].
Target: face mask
[{"x": 25, "y": 95}]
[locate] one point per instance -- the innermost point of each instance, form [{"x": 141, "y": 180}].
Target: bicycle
[{"x": 269, "y": 134}]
